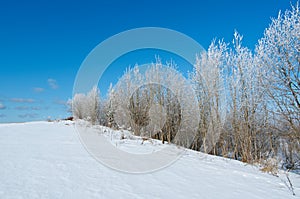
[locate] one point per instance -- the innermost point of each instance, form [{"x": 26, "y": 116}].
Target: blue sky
[{"x": 43, "y": 43}]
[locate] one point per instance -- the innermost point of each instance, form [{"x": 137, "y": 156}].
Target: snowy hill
[{"x": 47, "y": 160}]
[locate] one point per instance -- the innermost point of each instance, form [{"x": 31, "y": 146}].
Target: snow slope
[{"x": 47, "y": 160}]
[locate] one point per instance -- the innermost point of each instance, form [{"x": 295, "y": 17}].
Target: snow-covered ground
[{"x": 47, "y": 160}]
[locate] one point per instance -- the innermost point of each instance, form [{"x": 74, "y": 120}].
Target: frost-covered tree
[
  {"x": 78, "y": 106},
  {"x": 87, "y": 107},
  {"x": 109, "y": 109},
  {"x": 151, "y": 100},
  {"x": 207, "y": 78},
  {"x": 231, "y": 97},
  {"x": 279, "y": 52},
  {"x": 93, "y": 105},
  {"x": 246, "y": 101}
]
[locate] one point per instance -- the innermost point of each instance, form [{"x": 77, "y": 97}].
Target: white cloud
[
  {"x": 60, "y": 102},
  {"x": 2, "y": 106},
  {"x": 22, "y": 100},
  {"x": 28, "y": 115},
  {"x": 52, "y": 83},
  {"x": 36, "y": 108},
  {"x": 38, "y": 89},
  {"x": 21, "y": 108}
]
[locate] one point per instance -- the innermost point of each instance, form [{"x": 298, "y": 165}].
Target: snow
[{"x": 47, "y": 160}]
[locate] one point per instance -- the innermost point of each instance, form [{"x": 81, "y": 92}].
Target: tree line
[{"x": 248, "y": 101}]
